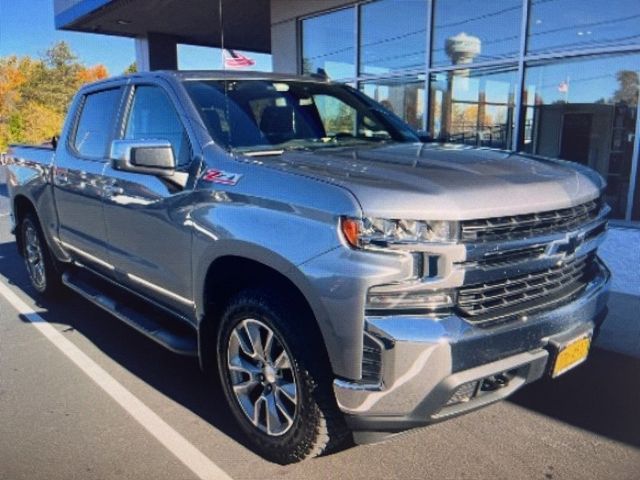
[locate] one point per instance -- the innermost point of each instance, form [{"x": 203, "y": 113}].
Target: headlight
[{"x": 372, "y": 232}]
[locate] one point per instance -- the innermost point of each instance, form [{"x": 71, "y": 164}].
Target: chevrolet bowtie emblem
[{"x": 568, "y": 246}]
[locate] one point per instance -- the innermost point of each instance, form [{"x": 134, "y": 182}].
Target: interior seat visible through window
[{"x": 277, "y": 123}]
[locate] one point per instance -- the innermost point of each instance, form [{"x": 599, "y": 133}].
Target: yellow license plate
[{"x": 571, "y": 355}]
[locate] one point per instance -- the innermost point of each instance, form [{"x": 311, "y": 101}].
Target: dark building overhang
[{"x": 247, "y": 23}]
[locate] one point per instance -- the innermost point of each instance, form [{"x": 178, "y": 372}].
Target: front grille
[
  {"x": 516, "y": 296},
  {"x": 530, "y": 225},
  {"x": 509, "y": 257}
]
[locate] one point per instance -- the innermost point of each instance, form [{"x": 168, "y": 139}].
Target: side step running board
[{"x": 179, "y": 339}]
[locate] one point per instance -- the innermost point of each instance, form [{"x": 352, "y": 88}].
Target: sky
[{"x": 27, "y": 28}]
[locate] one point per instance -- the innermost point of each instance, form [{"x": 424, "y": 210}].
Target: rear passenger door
[
  {"x": 77, "y": 178},
  {"x": 145, "y": 215}
]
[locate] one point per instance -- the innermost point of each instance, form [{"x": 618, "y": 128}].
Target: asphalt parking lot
[{"x": 58, "y": 423}]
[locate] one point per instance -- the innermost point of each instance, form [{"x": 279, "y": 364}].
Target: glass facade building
[{"x": 557, "y": 78}]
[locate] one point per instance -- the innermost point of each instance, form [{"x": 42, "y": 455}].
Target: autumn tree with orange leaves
[{"x": 35, "y": 93}]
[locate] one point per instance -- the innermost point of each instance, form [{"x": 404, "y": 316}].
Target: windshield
[{"x": 266, "y": 116}]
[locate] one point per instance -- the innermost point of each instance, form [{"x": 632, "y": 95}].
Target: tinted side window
[
  {"x": 96, "y": 122},
  {"x": 153, "y": 117}
]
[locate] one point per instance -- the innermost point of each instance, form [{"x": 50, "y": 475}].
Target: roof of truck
[
  {"x": 236, "y": 75},
  {"x": 182, "y": 75}
]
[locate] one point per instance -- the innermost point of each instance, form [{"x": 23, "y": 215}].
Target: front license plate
[{"x": 571, "y": 355}]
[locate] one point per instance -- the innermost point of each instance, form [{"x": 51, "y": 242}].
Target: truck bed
[{"x": 41, "y": 154}]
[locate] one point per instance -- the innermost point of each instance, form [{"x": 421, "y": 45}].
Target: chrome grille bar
[
  {"x": 530, "y": 225},
  {"x": 512, "y": 296}
]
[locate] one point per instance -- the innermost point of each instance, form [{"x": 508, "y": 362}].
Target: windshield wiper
[{"x": 308, "y": 144}]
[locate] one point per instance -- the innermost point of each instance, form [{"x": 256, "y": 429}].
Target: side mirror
[{"x": 151, "y": 157}]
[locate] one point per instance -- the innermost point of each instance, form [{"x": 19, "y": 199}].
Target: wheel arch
[
  {"x": 23, "y": 205},
  {"x": 229, "y": 274}
]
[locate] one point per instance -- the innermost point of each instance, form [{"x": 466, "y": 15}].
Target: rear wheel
[
  {"x": 274, "y": 380},
  {"x": 43, "y": 275}
]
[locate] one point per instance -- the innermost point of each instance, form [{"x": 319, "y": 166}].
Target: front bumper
[{"x": 425, "y": 361}]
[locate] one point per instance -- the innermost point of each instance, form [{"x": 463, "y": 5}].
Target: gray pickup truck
[{"x": 343, "y": 278}]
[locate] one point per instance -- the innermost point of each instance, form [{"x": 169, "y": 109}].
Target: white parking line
[{"x": 186, "y": 452}]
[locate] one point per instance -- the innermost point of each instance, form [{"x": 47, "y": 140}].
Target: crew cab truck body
[{"x": 339, "y": 274}]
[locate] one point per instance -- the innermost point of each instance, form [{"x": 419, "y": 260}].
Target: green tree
[
  {"x": 54, "y": 81},
  {"x": 344, "y": 120},
  {"x": 16, "y": 128},
  {"x": 133, "y": 68},
  {"x": 629, "y": 84},
  {"x": 35, "y": 93}
]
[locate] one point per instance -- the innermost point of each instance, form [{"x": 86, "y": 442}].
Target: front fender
[{"x": 287, "y": 239}]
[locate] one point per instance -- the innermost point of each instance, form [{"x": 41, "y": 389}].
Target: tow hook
[{"x": 494, "y": 382}]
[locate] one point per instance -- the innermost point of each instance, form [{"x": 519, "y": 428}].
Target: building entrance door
[{"x": 576, "y": 137}]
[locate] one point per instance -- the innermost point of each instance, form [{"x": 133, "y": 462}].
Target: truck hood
[{"x": 443, "y": 181}]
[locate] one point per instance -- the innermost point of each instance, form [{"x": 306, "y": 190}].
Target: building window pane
[
  {"x": 584, "y": 110},
  {"x": 404, "y": 97},
  {"x": 328, "y": 43},
  {"x": 393, "y": 35},
  {"x": 473, "y": 106},
  {"x": 467, "y": 31},
  {"x": 570, "y": 24}
]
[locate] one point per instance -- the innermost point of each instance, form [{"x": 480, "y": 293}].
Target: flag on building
[
  {"x": 563, "y": 87},
  {"x": 233, "y": 59}
]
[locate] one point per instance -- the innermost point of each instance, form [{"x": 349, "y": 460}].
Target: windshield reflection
[{"x": 263, "y": 117}]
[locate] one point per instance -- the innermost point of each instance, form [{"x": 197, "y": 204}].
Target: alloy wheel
[
  {"x": 262, "y": 377},
  {"x": 34, "y": 257}
]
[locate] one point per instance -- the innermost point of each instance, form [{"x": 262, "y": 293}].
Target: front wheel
[{"x": 274, "y": 380}]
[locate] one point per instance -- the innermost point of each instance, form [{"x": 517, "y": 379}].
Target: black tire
[
  {"x": 316, "y": 425},
  {"x": 43, "y": 274}
]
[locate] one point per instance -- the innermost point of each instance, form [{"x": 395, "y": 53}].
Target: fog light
[
  {"x": 397, "y": 297},
  {"x": 464, "y": 393}
]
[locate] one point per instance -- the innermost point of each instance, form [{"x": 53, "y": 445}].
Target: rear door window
[{"x": 95, "y": 124}]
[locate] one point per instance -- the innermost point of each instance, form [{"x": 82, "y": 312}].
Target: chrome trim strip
[
  {"x": 134, "y": 278},
  {"x": 158, "y": 289},
  {"x": 86, "y": 255},
  {"x": 146, "y": 298},
  {"x": 476, "y": 251},
  {"x": 476, "y": 272}
]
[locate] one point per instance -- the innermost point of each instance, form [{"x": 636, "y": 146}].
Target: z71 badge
[{"x": 219, "y": 176}]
